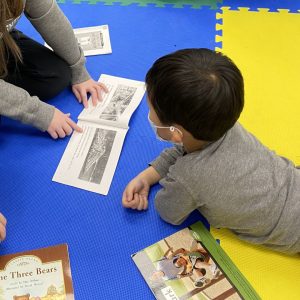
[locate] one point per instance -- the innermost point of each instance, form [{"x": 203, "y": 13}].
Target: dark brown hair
[
  {"x": 10, "y": 9},
  {"x": 199, "y": 89}
]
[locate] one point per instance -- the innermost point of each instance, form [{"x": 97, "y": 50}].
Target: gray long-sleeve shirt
[
  {"x": 236, "y": 183},
  {"x": 56, "y": 30}
]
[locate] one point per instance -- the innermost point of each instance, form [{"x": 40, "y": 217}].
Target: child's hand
[
  {"x": 92, "y": 87},
  {"x": 62, "y": 125},
  {"x": 2, "y": 227},
  {"x": 135, "y": 195}
]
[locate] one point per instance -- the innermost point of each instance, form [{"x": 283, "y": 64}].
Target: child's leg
[{"x": 42, "y": 72}]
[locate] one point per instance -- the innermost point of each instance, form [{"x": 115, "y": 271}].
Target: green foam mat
[{"x": 196, "y": 4}]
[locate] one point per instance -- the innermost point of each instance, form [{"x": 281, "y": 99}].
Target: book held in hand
[
  {"x": 190, "y": 264},
  {"x": 41, "y": 274},
  {"x": 90, "y": 159}
]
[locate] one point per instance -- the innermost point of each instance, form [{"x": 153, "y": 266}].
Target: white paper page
[
  {"x": 118, "y": 105},
  {"x": 93, "y": 40},
  {"x": 90, "y": 159}
]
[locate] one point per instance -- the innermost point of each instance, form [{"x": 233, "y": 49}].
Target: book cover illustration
[
  {"x": 42, "y": 274},
  {"x": 191, "y": 265}
]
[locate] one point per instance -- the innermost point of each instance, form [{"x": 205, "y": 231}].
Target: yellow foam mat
[
  {"x": 265, "y": 46},
  {"x": 273, "y": 275}
]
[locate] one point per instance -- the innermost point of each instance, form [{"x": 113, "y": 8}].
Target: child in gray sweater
[
  {"x": 195, "y": 97},
  {"x": 29, "y": 72}
]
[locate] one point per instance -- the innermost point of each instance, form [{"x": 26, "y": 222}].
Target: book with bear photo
[
  {"x": 190, "y": 264},
  {"x": 36, "y": 275}
]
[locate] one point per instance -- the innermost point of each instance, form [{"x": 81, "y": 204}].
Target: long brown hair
[{"x": 9, "y": 9}]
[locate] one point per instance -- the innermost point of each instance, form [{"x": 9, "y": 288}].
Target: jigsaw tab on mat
[
  {"x": 212, "y": 4},
  {"x": 273, "y": 6}
]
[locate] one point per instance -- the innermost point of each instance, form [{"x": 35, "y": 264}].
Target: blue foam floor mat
[{"x": 101, "y": 234}]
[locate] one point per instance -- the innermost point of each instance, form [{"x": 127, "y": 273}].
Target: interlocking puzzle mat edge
[
  {"x": 262, "y": 267},
  {"x": 271, "y": 86},
  {"x": 271, "y": 5},
  {"x": 213, "y": 4},
  {"x": 223, "y": 9}
]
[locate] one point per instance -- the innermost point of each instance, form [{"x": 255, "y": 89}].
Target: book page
[
  {"x": 36, "y": 274},
  {"x": 118, "y": 105},
  {"x": 93, "y": 40},
  {"x": 90, "y": 159}
]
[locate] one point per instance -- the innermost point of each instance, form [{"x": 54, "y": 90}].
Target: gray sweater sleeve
[
  {"x": 173, "y": 202},
  {"x": 17, "y": 104},
  {"x": 167, "y": 158},
  {"x": 48, "y": 19},
  {"x": 57, "y": 31}
]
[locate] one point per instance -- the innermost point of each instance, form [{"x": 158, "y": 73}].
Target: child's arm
[
  {"x": 55, "y": 28},
  {"x": 17, "y": 104},
  {"x": 135, "y": 195},
  {"x": 166, "y": 159},
  {"x": 174, "y": 202},
  {"x": 49, "y": 20}
]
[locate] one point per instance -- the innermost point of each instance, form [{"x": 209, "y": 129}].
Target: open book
[
  {"x": 91, "y": 157},
  {"x": 37, "y": 274},
  {"x": 190, "y": 264}
]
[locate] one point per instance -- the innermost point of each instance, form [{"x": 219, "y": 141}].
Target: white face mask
[{"x": 171, "y": 128}]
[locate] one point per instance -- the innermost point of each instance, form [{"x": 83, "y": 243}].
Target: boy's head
[
  {"x": 180, "y": 262},
  {"x": 198, "y": 89}
]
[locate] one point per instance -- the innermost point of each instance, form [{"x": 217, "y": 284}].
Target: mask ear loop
[{"x": 172, "y": 129}]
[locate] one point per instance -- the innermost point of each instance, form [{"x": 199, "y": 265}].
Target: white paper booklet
[
  {"x": 90, "y": 159},
  {"x": 93, "y": 40}
]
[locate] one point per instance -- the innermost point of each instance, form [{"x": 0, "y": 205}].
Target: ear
[{"x": 177, "y": 136}]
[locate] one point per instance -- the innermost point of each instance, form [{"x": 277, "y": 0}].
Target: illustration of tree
[{"x": 52, "y": 290}]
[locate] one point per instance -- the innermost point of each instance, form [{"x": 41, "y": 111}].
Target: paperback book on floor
[
  {"x": 92, "y": 40},
  {"x": 41, "y": 274},
  {"x": 190, "y": 264},
  {"x": 91, "y": 157}
]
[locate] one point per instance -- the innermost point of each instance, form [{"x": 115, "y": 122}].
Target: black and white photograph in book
[
  {"x": 90, "y": 40},
  {"x": 98, "y": 154},
  {"x": 119, "y": 102}
]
